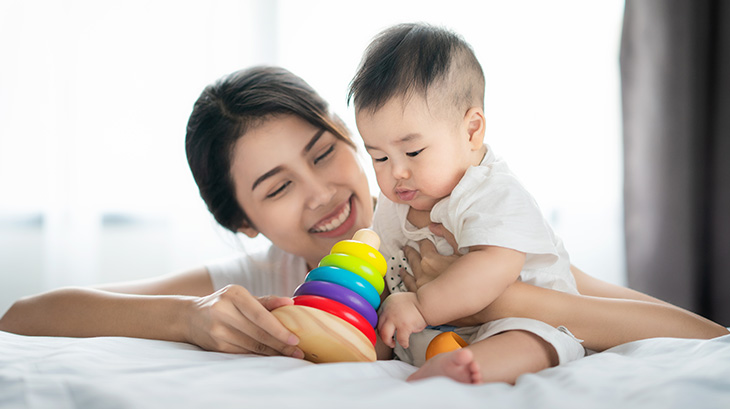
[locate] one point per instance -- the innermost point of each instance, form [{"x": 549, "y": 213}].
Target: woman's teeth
[{"x": 334, "y": 222}]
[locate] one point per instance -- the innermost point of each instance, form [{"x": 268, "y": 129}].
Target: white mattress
[{"x": 44, "y": 372}]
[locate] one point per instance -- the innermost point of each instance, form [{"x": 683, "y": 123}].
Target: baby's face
[{"x": 418, "y": 156}]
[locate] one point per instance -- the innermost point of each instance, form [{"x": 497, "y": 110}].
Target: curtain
[{"x": 675, "y": 80}]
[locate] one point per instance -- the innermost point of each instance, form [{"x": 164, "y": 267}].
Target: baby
[{"x": 419, "y": 97}]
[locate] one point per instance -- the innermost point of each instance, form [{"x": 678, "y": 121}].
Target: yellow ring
[
  {"x": 357, "y": 266},
  {"x": 362, "y": 251}
]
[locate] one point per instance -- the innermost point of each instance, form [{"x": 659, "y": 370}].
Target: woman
[{"x": 270, "y": 159}]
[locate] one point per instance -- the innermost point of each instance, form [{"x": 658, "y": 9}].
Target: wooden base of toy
[{"x": 324, "y": 337}]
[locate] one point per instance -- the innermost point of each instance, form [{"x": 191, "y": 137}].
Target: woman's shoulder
[{"x": 260, "y": 270}]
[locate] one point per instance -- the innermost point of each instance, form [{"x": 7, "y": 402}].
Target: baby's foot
[{"x": 458, "y": 365}]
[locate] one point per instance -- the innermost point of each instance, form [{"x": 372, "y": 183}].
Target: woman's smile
[{"x": 337, "y": 222}]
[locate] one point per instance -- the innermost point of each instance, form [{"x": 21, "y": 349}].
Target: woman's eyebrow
[
  {"x": 315, "y": 138},
  {"x": 265, "y": 176},
  {"x": 272, "y": 172}
]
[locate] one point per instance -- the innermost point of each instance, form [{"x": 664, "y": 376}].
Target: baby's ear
[{"x": 475, "y": 126}]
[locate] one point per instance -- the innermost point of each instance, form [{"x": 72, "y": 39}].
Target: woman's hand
[
  {"x": 232, "y": 320},
  {"x": 429, "y": 264}
]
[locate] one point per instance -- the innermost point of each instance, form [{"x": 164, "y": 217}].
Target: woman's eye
[
  {"x": 278, "y": 190},
  {"x": 414, "y": 153},
  {"x": 325, "y": 154}
]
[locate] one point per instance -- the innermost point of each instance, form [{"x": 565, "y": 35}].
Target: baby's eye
[
  {"x": 414, "y": 153},
  {"x": 383, "y": 159},
  {"x": 278, "y": 190},
  {"x": 325, "y": 154}
]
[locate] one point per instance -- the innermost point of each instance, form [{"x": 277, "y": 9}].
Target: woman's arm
[
  {"x": 606, "y": 316},
  {"x": 589, "y": 285},
  {"x": 173, "y": 308},
  {"x": 467, "y": 286},
  {"x": 601, "y": 322}
]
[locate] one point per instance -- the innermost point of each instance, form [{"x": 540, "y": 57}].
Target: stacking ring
[
  {"x": 338, "y": 310},
  {"x": 342, "y": 295},
  {"x": 348, "y": 280},
  {"x": 444, "y": 342},
  {"x": 362, "y": 251},
  {"x": 357, "y": 266}
]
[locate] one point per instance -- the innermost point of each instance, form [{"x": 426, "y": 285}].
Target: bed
[{"x": 111, "y": 372}]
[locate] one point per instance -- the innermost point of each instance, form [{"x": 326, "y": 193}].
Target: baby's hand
[{"x": 399, "y": 314}]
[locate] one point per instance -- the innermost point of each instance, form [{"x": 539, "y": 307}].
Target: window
[{"x": 94, "y": 99}]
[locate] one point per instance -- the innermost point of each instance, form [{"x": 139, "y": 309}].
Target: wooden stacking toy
[{"x": 335, "y": 309}]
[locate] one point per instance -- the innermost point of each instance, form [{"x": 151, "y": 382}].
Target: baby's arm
[
  {"x": 470, "y": 284},
  {"x": 605, "y": 315}
]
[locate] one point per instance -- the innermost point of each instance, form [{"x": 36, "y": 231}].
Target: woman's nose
[{"x": 320, "y": 192}]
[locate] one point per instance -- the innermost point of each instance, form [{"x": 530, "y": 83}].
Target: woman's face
[{"x": 300, "y": 186}]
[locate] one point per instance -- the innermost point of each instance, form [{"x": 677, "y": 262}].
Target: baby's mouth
[
  {"x": 406, "y": 195},
  {"x": 335, "y": 221}
]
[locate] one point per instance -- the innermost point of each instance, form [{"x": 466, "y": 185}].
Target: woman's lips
[{"x": 339, "y": 223}]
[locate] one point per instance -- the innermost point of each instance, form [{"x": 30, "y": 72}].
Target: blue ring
[{"x": 348, "y": 280}]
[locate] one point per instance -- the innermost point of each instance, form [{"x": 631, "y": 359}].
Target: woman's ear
[
  {"x": 475, "y": 126},
  {"x": 248, "y": 230}
]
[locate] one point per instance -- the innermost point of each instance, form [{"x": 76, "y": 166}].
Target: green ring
[{"x": 357, "y": 266}]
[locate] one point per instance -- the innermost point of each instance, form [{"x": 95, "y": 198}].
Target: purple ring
[{"x": 342, "y": 295}]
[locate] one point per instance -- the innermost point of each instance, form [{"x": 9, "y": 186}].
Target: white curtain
[{"x": 95, "y": 95}]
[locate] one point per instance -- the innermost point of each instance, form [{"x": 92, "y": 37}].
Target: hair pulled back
[{"x": 230, "y": 107}]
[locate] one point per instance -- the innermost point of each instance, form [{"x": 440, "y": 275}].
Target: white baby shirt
[{"x": 489, "y": 206}]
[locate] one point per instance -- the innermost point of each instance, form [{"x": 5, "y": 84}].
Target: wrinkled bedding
[{"x": 111, "y": 372}]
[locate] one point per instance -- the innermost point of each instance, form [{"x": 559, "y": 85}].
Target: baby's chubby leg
[
  {"x": 502, "y": 350},
  {"x": 499, "y": 358}
]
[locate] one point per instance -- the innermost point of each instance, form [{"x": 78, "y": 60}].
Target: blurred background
[{"x": 95, "y": 96}]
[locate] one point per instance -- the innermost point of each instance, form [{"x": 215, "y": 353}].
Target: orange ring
[{"x": 444, "y": 342}]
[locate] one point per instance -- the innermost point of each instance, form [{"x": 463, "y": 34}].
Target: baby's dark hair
[
  {"x": 415, "y": 58},
  {"x": 230, "y": 107}
]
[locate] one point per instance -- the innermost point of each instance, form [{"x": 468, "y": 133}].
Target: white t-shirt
[
  {"x": 270, "y": 271},
  {"x": 489, "y": 206}
]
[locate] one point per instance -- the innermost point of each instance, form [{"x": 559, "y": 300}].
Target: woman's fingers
[
  {"x": 241, "y": 343},
  {"x": 428, "y": 264},
  {"x": 272, "y": 302},
  {"x": 232, "y": 316},
  {"x": 439, "y": 230},
  {"x": 408, "y": 279},
  {"x": 266, "y": 329}
]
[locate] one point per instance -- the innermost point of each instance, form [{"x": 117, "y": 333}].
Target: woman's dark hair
[{"x": 226, "y": 110}]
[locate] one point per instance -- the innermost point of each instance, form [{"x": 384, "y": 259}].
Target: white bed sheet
[{"x": 46, "y": 372}]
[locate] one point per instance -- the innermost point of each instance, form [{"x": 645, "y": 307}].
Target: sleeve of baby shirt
[
  {"x": 493, "y": 208},
  {"x": 388, "y": 227}
]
